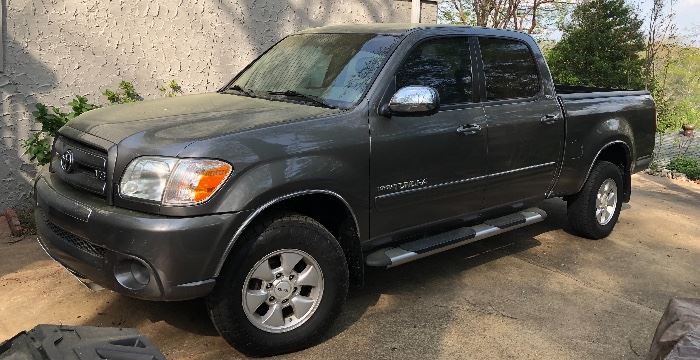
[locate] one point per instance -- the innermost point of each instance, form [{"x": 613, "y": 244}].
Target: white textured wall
[{"x": 54, "y": 49}]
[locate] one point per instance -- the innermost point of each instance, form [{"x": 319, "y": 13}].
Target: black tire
[
  {"x": 350, "y": 242},
  {"x": 225, "y": 303},
  {"x": 581, "y": 208}
]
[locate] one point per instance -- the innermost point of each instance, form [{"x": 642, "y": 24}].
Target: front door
[
  {"x": 525, "y": 125},
  {"x": 428, "y": 168}
]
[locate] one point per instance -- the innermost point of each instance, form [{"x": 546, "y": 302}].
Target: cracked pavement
[{"x": 537, "y": 292}]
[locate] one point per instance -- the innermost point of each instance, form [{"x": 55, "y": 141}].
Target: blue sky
[{"x": 687, "y": 17}]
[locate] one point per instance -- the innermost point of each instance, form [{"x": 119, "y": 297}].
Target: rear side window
[
  {"x": 509, "y": 68},
  {"x": 443, "y": 64}
]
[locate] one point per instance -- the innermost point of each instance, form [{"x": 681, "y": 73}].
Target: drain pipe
[{"x": 415, "y": 11}]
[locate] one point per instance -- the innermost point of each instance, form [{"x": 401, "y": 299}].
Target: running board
[{"x": 414, "y": 250}]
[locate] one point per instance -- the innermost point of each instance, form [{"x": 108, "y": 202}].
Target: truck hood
[{"x": 184, "y": 119}]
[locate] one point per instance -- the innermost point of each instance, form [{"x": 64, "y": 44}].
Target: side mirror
[{"x": 414, "y": 99}]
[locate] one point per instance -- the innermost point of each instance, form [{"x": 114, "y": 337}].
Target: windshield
[{"x": 332, "y": 70}]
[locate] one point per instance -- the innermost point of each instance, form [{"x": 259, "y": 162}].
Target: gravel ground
[{"x": 536, "y": 293}]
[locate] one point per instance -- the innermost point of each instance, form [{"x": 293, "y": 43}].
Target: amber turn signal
[{"x": 194, "y": 181}]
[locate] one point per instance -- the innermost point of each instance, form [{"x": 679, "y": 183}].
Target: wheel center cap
[{"x": 282, "y": 289}]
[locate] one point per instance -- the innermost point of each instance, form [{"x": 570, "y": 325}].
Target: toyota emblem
[{"x": 67, "y": 161}]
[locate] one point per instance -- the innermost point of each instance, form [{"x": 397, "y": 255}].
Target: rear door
[
  {"x": 428, "y": 168},
  {"x": 525, "y": 125}
]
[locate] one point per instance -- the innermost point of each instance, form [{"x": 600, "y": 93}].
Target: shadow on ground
[
  {"x": 191, "y": 316},
  {"x": 537, "y": 292}
]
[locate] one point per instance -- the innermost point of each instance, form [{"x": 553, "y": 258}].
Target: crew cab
[{"x": 338, "y": 148}]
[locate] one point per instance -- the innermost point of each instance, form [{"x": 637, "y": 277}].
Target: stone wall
[
  {"x": 669, "y": 146},
  {"x": 56, "y": 49}
]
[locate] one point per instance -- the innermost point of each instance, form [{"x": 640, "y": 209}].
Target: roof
[
  {"x": 406, "y": 28},
  {"x": 383, "y": 28}
]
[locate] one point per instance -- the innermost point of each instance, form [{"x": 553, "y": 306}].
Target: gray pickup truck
[{"x": 338, "y": 148}]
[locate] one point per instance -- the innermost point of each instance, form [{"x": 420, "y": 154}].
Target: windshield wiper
[
  {"x": 246, "y": 92},
  {"x": 306, "y": 97}
]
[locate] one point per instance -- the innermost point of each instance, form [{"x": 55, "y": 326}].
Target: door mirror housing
[{"x": 414, "y": 100}]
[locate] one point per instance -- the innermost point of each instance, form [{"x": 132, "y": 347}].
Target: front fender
[{"x": 266, "y": 182}]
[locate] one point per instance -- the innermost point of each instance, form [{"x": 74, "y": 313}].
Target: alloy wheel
[
  {"x": 283, "y": 290},
  {"x": 606, "y": 202}
]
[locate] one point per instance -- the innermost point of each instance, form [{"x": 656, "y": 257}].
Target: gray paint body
[{"x": 281, "y": 150}]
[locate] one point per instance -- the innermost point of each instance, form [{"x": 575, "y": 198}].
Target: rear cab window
[{"x": 510, "y": 70}]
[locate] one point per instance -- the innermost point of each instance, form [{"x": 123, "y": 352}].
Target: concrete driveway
[{"x": 537, "y": 293}]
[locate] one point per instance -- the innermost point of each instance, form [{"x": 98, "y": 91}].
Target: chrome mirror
[{"x": 414, "y": 99}]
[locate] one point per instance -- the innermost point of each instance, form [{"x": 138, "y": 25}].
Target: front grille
[
  {"x": 77, "y": 242},
  {"x": 80, "y": 165}
]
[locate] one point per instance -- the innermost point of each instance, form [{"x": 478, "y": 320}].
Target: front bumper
[{"x": 95, "y": 241}]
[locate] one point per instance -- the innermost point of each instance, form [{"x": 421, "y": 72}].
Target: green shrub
[
  {"x": 686, "y": 165},
  {"x": 38, "y": 146},
  {"x": 170, "y": 89},
  {"x": 126, "y": 93}
]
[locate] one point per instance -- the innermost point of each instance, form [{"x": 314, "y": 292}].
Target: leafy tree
[
  {"x": 661, "y": 38},
  {"x": 673, "y": 115},
  {"x": 601, "y": 46},
  {"x": 531, "y": 16}
]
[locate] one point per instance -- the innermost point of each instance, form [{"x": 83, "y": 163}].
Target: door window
[
  {"x": 442, "y": 64},
  {"x": 509, "y": 68}
]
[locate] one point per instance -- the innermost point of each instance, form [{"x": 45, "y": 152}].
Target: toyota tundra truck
[{"x": 339, "y": 148}]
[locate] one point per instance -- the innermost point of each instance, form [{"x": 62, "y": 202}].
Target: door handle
[
  {"x": 549, "y": 119},
  {"x": 469, "y": 129}
]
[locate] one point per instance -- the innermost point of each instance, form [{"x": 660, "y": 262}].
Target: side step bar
[{"x": 414, "y": 250}]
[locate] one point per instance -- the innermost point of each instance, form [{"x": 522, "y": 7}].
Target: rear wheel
[
  {"x": 280, "y": 291},
  {"x": 594, "y": 211}
]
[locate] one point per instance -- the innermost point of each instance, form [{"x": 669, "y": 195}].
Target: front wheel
[
  {"x": 281, "y": 290},
  {"x": 594, "y": 211}
]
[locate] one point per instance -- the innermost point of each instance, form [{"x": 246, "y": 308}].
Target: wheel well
[
  {"x": 335, "y": 215},
  {"x": 618, "y": 154},
  {"x": 328, "y": 210}
]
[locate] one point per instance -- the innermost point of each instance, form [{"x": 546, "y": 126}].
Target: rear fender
[
  {"x": 583, "y": 152},
  {"x": 616, "y": 130}
]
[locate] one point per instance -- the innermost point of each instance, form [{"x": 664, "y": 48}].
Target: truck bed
[
  {"x": 588, "y": 92},
  {"x": 600, "y": 117}
]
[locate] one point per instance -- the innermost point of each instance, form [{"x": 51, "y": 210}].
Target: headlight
[{"x": 172, "y": 181}]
